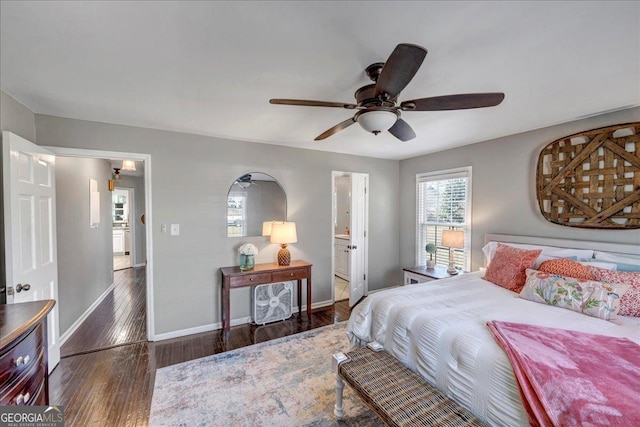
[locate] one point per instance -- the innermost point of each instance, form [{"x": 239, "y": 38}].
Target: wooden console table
[{"x": 261, "y": 274}]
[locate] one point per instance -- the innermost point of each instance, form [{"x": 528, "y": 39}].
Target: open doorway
[
  {"x": 123, "y": 220},
  {"x": 140, "y": 250},
  {"x": 350, "y": 207}
]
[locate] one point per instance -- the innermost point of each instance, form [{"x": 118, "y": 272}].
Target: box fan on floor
[{"x": 272, "y": 302}]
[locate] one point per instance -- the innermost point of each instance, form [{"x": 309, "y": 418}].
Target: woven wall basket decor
[{"x": 592, "y": 179}]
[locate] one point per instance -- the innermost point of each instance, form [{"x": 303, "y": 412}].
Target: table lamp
[
  {"x": 453, "y": 239},
  {"x": 266, "y": 227},
  {"x": 283, "y": 233}
]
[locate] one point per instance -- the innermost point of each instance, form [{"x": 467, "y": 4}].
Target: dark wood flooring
[
  {"x": 114, "y": 386},
  {"x": 119, "y": 319}
]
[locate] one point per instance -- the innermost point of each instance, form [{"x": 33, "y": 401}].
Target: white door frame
[
  {"x": 334, "y": 175},
  {"x": 146, "y": 158}
]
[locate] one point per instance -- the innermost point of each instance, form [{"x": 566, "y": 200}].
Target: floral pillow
[
  {"x": 596, "y": 299},
  {"x": 566, "y": 267},
  {"x": 508, "y": 265},
  {"x": 630, "y": 301}
]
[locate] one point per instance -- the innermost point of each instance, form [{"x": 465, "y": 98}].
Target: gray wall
[
  {"x": 191, "y": 177},
  {"x": 85, "y": 255},
  {"x": 16, "y": 118},
  {"x": 139, "y": 229},
  {"x": 503, "y": 187}
]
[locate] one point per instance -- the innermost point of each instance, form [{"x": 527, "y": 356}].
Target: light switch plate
[{"x": 175, "y": 229}]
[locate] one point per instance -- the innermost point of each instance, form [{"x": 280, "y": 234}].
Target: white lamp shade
[
  {"x": 377, "y": 121},
  {"x": 453, "y": 239},
  {"x": 267, "y": 226},
  {"x": 283, "y": 232},
  {"x": 128, "y": 165}
]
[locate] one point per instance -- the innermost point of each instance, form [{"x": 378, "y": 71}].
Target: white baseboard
[
  {"x": 384, "y": 289},
  {"x": 199, "y": 329},
  {"x": 218, "y": 325},
  {"x": 142, "y": 264},
  {"x": 67, "y": 334}
]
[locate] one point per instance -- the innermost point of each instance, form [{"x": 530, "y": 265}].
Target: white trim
[
  {"x": 148, "y": 215},
  {"x": 67, "y": 334},
  {"x": 444, "y": 174},
  {"x": 384, "y": 289},
  {"x": 461, "y": 172},
  {"x": 234, "y": 322},
  {"x": 199, "y": 329}
]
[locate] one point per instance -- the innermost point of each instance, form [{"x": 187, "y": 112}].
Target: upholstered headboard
[{"x": 624, "y": 249}]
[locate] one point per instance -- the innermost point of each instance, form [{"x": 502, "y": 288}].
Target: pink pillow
[
  {"x": 508, "y": 265},
  {"x": 630, "y": 301}
]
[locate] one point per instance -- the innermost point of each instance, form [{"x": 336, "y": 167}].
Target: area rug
[{"x": 284, "y": 382}]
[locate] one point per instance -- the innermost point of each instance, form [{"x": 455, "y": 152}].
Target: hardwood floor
[
  {"x": 114, "y": 386},
  {"x": 119, "y": 319}
]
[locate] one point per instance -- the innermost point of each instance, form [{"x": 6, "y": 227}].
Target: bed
[{"x": 439, "y": 330}]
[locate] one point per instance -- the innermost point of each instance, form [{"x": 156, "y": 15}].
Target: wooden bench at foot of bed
[{"x": 397, "y": 395}]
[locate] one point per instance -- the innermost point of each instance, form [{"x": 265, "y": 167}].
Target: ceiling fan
[
  {"x": 245, "y": 181},
  {"x": 376, "y": 103}
]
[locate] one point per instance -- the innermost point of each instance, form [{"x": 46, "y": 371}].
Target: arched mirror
[{"x": 253, "y": 199}]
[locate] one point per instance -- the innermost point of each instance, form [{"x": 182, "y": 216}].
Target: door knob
[{"x": 20, "y": 287}]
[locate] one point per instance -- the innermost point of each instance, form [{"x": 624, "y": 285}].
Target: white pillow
[
  {"x": 548, "y": 252},
  {"x": 622, "y": 263},
  {"x": 605, "y": 265},
  {"x": 603, "y": 256}
]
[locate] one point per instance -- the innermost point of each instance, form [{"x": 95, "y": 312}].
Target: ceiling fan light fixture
[{"x": 376, "y": 121}]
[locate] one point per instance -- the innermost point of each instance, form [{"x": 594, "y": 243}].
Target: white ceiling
[{"x": 210, "y": 68}]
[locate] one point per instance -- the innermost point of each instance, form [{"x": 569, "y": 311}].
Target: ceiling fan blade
[
  {"x": 402, "y": 131},
  {"x": 454, "y": 102},
  {"x": 337, "y": 128},
  {"x": 402, "y": 65},
  {"x": 308, "y": 103}
]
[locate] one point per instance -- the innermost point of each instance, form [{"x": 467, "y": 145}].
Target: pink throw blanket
[{"x": 569, "y": 378}]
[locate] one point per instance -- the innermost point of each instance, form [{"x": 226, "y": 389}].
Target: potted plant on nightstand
[{"x": 431, "y": 249}]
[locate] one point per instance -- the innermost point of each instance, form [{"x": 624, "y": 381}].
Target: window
[
  {"x": 236, "y": 214},
  {"x": 443, "y": 203}
]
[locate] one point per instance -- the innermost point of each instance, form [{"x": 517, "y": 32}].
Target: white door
[
  {"x": 31, "y": 262},
  {"x": 358, "y": 227}
]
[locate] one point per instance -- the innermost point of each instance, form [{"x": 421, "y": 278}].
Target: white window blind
[{"x": 443, "y": 203}]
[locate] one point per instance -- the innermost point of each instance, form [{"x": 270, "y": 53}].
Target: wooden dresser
[{"x": 23, "y": 353}]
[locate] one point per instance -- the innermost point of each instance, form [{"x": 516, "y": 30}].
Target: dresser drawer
[
  {"x": 29, "y": 387},
  {"x": 250, "y": 279},
  {"x": 21, "y": 357},
  {"x": 281, "y": 276}
]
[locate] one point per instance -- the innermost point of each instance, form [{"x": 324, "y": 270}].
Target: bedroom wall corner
[
  {"x": 16, "y": 118},
  {"x": 504, "y": 190}
]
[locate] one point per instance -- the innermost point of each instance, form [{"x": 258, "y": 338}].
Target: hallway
[{"x": 119, "y": 319}]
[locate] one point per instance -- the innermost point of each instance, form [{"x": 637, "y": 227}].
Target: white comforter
[{"x": 438, "y": 329}]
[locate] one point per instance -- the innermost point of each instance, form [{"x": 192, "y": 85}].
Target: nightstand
[{"x": 422, "y": 274}]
